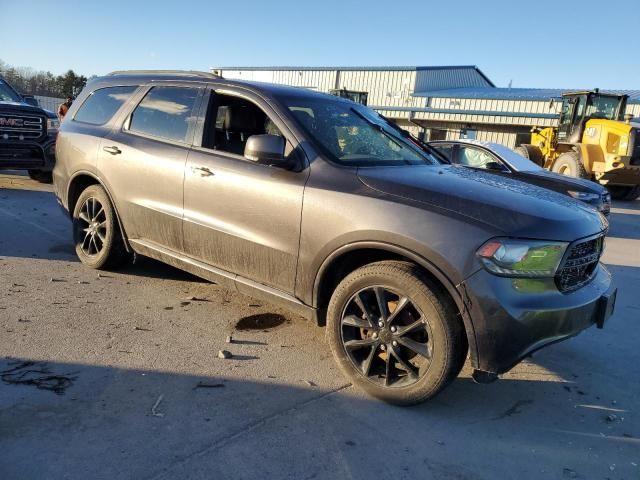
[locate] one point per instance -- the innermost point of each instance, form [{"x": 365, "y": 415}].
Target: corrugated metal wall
[
  {"x": 391, "y": 88},
  {"x": 395, "y": 88},
  {"x": 524, "y": 106},
  {"x": 634, "y": 109}
]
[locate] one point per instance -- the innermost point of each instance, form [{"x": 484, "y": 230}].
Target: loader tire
[
  {"x": 531, "y": 152},
  {"x": 569, "y": 164}
]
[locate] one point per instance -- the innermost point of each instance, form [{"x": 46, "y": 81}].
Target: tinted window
[
  {"x": 7, "y": 94},
  {"x": 101, "y": 105},
  {"x": 165, "y": 112}
]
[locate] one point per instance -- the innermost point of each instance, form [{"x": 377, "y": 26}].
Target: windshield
[
  {"x": 603, "y": 107},
  {"x": 353, "y": 135},
  {"x": 7, "y": 94}
]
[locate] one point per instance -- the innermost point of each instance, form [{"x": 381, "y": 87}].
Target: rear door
[
  {"x": 241, "y": 216},
  {"x": 143, "y": 162}
]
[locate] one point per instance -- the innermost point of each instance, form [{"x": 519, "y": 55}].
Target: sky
[{"x": 540, "y": 44}]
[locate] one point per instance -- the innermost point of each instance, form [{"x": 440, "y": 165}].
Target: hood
[
  {"x": 20, "y": 107},
  {"x": 562, "y": 182},
  {"x": 514, "y": 207}
]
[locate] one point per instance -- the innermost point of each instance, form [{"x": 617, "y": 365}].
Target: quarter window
[
  {"x": 102, "y": 104},
  {"x": 165, "y": 112}
]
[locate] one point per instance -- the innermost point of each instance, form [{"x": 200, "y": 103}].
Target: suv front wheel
[
  {"x": 394, "y": 333},
  {"x": 95, "y": 230}
]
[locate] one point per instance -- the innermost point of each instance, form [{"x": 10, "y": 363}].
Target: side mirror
[
  {"x": 30, "y": 100},
  {"x": 265, "y": 149}
]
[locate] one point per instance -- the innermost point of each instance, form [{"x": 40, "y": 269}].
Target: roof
[
  {"x": 495, "y": 93},
  {"x": 139, "y": 77},
  {"x": 361, "y": 68}
]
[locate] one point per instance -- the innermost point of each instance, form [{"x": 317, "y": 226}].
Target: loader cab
[{"x": 579, "y": 107}]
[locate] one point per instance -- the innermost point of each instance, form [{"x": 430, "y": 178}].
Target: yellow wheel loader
[{"x": 593, "y": 140}]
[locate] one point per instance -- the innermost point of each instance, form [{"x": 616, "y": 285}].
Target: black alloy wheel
[{"x": 386, "y": 336}]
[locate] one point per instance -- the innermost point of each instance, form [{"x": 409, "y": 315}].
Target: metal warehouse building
[{"x": 436, "y": 103}]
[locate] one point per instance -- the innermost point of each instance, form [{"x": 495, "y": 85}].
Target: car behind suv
[
  {"x": 500, "y": 160},
  {"x": 316, "y": 203},
  {"x": 27, "y": 135}
]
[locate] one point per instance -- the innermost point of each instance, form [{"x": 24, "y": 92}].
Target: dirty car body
[{"x": 291, "y": 229}]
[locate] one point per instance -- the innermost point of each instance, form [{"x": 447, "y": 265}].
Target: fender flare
[{"x": 115, "y": 208}]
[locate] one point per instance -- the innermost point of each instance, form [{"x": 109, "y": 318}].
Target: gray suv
[{"x": 317, "y": 203}]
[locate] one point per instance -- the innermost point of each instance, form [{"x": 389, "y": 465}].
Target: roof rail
[{"x": 192, "y": 73}]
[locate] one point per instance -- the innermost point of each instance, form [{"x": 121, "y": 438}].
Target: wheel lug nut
[
  {"x": 375, "y": 335},
  {"x": 394, "y": 343},
  {"x": 381, "y": 324},
  {"x": 393, "y": 329},
  {"x": 383, "y": 347}
]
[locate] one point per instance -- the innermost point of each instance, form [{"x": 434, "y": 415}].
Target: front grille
[
  {"x": 580, "y": 264},
  {"x": 19, "y": 153},
  {"x": 21, "y": 127}
]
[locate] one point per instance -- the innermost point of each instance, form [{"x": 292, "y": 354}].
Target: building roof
[
  {"x": 535, "y": 94},
  {"x": 361, "y": 68}
]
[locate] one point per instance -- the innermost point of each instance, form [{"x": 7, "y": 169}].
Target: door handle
[
  {"x": 204, "y": 171},
  {"x": 112, "y": 150}
]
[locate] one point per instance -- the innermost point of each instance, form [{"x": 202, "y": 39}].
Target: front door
[
  {"x": 571, "y": 116},
  {"x": 144, "y": 163},
  {"x": 240, "y": 216}
]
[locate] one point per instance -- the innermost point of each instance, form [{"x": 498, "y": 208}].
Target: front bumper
[
  {"x": 38, "y": 155},
  {"x": 512, "y": 317}
]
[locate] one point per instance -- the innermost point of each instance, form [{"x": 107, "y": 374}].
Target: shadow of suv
[{"x": 316, "y": 203}]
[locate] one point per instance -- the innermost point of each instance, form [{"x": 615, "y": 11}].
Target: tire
[
  {"x": 96, "y": 233},
  {"x": 531, "y": 152},
  {"x": 40, "y": 176},
  {"x": 365, "y": 362},
  {"x": 569, "y": 163},
  {"x": 619, "y": 192}
]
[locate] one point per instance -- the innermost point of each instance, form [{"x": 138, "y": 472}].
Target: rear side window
[
  {"x": 102, "y": 104},
  {"x": 165, "y": 112}
]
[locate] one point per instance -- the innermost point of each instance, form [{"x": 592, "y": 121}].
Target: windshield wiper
[{"x": 419, "y": 143}]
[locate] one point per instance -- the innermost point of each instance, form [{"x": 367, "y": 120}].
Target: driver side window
[
  {"x": 475, "y": 157},
  {"x": 231, "y": 121}
]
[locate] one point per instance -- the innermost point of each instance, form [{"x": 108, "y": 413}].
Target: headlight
[
  {"x": 512, "y": 257},
  {"x": 53, "y": 124},
  {"x": 584, "y": 196}
]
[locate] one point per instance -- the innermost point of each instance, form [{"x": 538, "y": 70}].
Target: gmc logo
[{"x": 11, "y": 122}]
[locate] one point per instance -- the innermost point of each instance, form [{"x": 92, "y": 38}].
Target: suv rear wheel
[
  {"x": 95, "y": 230},
  {"x": 392, "y": 335}
]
